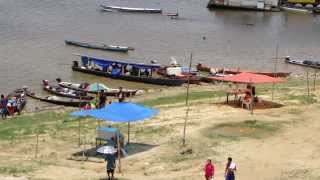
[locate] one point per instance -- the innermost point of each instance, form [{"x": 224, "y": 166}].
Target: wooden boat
[
  {"x": 306, "y": 63},
  {"x": 194, "y": 78},
  {"x": 20, "y": 96},
  {"x": 201, "y": 67},
  {"x": 58, "y": 100},
  {"x": 316, "y": 10},
  {"x": 129, "y": 9},
  {"x": 119, "y": 70},
  {"x": 171, "y": 14},
  {"x": 65, "y": 92},
  {"x": 295, "y": 9},
  {"x": 107, "y": 92},
  {"x": 101, "y": 47}
]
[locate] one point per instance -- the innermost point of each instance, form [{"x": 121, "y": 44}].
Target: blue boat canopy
[{"x": 108, "y": 62}]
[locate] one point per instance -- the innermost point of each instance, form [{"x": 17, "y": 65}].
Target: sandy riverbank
[{"x": 271, "y": 144}]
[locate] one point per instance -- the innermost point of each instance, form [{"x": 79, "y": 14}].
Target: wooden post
[
  {"x": 314, "y": 80},
  {"x": 119, "y": 151},
  {"x": 187, "y": 104},
  {"x": 275, "y": 69},
  {"x": 308, "y": 83},
  {"x": 37, "y": 144}
]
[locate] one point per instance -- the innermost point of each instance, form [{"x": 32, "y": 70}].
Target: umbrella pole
[
  {"x": 119, "y": 155},
  {"x": 314, "y": 80},
  {"x": 128, "y": 133},
  {"x": 308, "y": 83}
]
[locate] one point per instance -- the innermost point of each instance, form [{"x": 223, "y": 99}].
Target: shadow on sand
[
  {"x": 131, "y": 149},
  {"x": 263, "y": 104}
]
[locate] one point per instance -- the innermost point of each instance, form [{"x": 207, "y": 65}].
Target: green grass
[
  {"x": 302, "y": 99},
  {"x": 17, "y": 169},
  {"x": 236, "y": 130},
  {"x": 182, "y": 98},
  {"x": 52, "y": 123}
]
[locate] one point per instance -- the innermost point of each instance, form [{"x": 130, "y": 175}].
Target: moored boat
[
  {"x": 107, "y": 91},
  {"x": 201, "y": 67},
  {"x": 101, "y": 47},
  {"x": 295, "y": 9},
  {"x": 65, "y": 92},
  {"x": 116, "y": 69},
  {"x": 58, "y": 100},
  {"x": 179, "y": 73},
  {"x": 130, "y": 9},
  {"x": 20, "y": 101},
  {"x": 306, "y": 63}
]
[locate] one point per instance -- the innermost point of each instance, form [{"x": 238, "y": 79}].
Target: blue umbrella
[{"x": 119, "y": 112}]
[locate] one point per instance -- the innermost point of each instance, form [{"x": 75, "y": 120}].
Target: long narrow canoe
[
  {"x": 65, "y": 92},
  {"x": 58, "y": 100},
  {"x": 101, "y": 47},
  {"x": 306, "y": 63},
  {"x": 107, "y": 92},
  {"x": 129, "y": 9},
  {"x": 295, "y": 9},
  {"x": 204, "y": 68}
]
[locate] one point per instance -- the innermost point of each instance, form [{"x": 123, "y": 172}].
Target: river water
[{"x": 32, "y": 34}]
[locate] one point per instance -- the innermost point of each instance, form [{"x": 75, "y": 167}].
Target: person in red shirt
[{"x": 209, "y": 170}]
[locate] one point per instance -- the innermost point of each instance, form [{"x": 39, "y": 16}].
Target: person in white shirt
[{"x": 230, "y": 170}]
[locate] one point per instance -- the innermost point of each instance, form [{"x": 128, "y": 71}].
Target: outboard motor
[{"x": 287, "y": 58}]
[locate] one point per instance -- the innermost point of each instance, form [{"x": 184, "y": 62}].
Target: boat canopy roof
[{"x": 108, "y": 62}]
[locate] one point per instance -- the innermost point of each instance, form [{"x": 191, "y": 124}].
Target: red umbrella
[{"x": 250, "y": 78}]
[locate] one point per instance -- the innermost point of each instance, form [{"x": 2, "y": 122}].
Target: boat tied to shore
[
  {"x": 221, "y": 71},
  {"x": 296, "y": 9},
  {"x": 83, "y": 87},
  {"x": 57, "y": 100},
  {"x": 129, "y": 71},
  {"x": 123, "y": 49},
  {"x": 65, "y": 92},
  {"x": 130, "y": 9},
  {"x": 306, "y": 63}
]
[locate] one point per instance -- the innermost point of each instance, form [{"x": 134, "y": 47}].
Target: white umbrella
[{"x": 107, "y": 150}]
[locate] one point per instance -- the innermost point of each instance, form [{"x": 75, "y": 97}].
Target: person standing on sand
[
  {"x": 209, "y": 170},
  {"x": 111, "y": 165},
  {"x": 230, "y": 169}
]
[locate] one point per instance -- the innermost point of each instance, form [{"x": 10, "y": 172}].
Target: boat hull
[
  {"x": 51, "y": 89},
  {"x": 58, "y": 101},
  {"x": 134, "y": 10},
  {"x": 127, "y": 93},
  {"x": 300, "y": 63},
  {"x": 157, "y": 81},
  {"x": 201, "y": 67},
  {"x": 100, "y": 47}
]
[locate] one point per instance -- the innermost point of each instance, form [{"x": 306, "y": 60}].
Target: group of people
[
  {"x": 102, "y": 99},
  {"x": 229, "y": 172},
  {"x": 11, "y": 105}
]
